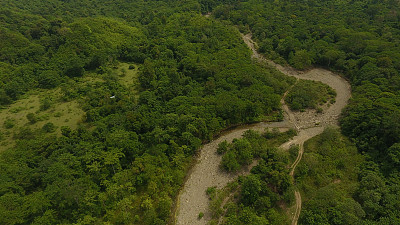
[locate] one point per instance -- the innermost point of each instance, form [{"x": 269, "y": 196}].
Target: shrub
[
  {"x": 9, "y": 123},
  {"x": 229, "y": 162},
  {"x": 123, "y": 72},
  {"x": 201, "y": 214},
  {"x": 270, "y": 134},
  {"x": 24, "y": 134},
  {"x": 49, "y": 127},
  {"x": 222, "y": 147},
  {"x": 31, "y": 118},
  {"x": 211, "y": 191},
  {"x": 45, "y": 104}
]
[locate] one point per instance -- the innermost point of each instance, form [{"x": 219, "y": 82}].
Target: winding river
[{"x": 206, "y": 173}]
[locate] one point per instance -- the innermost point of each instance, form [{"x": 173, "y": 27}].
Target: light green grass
[
  {"x": 127, "y": 77},
  {"x": 307, "y": 94},
  {"x": 329, "y": 159},
  {"x": 59, "y": 113}
]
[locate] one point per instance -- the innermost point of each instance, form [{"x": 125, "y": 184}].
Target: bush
[
  {"x": 123, "y": 72},
  {"x": 49, "y": 127},
  {"x": 4, "y": 98},
  {"x": 211, "y": 191},
  {"x": 24, "y": 134},
  {"x": 229, "y": 162},
  {"x": 270, "y": 134},
  {"x": 31, "y": 118},
  {"x": 45, "y": 104},
  {"x": 9, "y": 123},
  {"x": 49, "y": 79},
  {"x": 222, "y": 147},
  {"x": 201, "y": 214},
  {"x": 66, "y": 131}
]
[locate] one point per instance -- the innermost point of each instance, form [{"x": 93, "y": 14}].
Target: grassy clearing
[
  {"x": 128, "y": 74},
  {"x": 36, "y": 110},
  {"x": 328, "y": 158},
  {"x": 49, "y": 110},
  {"x": 327, "y": 176}
]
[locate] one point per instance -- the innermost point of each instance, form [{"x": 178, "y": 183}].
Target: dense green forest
[{"x": 126, "y": 161}]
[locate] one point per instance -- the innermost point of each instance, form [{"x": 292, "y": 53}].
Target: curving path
[{"x": 206, "y": 173}]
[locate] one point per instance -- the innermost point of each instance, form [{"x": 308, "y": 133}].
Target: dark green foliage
[
  {"x": 49, "y": 79},
  {"x": 9, "y": 123},
  {"x": 330, "y": 205},
  {"x": 376, "y": 129},
  {"x": 45, "y": 103},
  {"x": 229, "y": 162},
  {"x": 24, "y": 133},
  {"x": 251, "y": 189},
  {"x": 48, "y": 127},
  {"x": 222, "y": 147},
  {"x": 256, "y": 200},
  {"x": 31, "y": 118},
  {"x": 211, "y": 191},
  {"x": 241, "y": 152},
  {"x": 201, "y": 214},
  {"x": 301, "y": 59},
  {"x": 378, "y": 196},
  {"x": 293, "y": 152},
  {"x": 394, "y": 155},
  {"x": 126, "y": 163}
]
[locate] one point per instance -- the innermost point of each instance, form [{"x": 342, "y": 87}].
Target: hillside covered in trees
[{"x": 126, "y": 160}]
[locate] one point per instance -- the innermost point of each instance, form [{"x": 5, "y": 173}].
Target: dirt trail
[
  {"x": 206, "y": 173},
  {"x": 298, "y": 207},
  {"x": 299, "y": 156}
]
